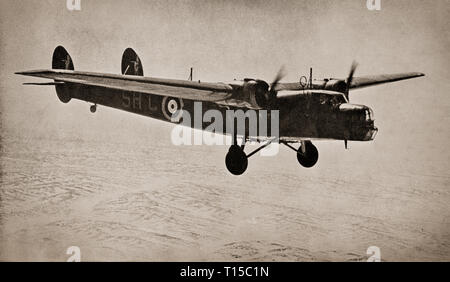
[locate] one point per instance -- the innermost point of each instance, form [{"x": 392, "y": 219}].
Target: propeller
[
  {"x": 349, "y": 79},
  {"x": 272, "y": 91},
  {"x": 348, "y": 83}
]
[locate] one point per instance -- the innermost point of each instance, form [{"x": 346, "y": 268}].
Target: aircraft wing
[
  {"x": 357, "y": 82},
  {"x": 201, "y": 91},
  {"x": 366, "y": 81}
]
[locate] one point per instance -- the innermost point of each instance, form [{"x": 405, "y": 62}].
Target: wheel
[
  {"x": 310, "y": 157},
  {"x": 236, "y": 160},
  {"x": 93, "y": 108}
]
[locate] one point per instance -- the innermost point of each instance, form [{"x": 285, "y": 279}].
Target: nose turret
[{"x": 359, "y": 121}]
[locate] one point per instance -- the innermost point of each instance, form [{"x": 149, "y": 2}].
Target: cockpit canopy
[
  {"x": 369, "y": 114},
  {"x": 330, "y": 97},
  {"x": 361, "y": 112}
]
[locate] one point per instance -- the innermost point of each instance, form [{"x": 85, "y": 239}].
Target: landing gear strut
[
  {"x": 307, "y": 154},
  {"x": 93, "y": 108},
  {"x": 236, "y": 159}
]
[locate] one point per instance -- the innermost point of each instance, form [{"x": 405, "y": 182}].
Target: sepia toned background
[{"x": 114, "y": 185}]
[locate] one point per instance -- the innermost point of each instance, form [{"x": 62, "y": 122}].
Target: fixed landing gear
[
  {"x": 93, "y": 108},
  {"x": 307, "y": 154},
  {"x": 236, "y": 160}
]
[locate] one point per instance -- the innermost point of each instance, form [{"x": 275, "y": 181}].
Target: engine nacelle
[
  {"x": 336, "y": 85},
  {"x": 256, "y": 92}
]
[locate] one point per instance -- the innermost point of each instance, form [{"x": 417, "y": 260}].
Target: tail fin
[
  {"x": 131, "y": 63},
  {"x": 61, "y": 59}
]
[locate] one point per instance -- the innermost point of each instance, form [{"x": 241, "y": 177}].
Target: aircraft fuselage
[{"x": 308, "y": 116}]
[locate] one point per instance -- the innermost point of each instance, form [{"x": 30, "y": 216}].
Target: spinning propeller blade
[{"x": 349, "y": 79}]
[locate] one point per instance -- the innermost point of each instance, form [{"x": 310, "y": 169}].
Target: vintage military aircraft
[{"x": 308, "y": 110}]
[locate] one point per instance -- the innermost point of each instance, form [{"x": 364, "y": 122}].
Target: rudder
[
  {"x": 62, "y": 61},
  {"x": 131, "y": 63}
]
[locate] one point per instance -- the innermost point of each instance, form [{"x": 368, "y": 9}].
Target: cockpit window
[{"x": 368, "y": 114}]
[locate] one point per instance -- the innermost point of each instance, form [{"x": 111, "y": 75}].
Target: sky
[{"x": 224, "y": 40}]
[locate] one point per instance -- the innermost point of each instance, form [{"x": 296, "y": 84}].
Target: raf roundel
[{"x": 171, "y": 108}]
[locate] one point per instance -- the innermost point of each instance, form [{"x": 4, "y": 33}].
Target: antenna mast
[{"x": 190, "y": 76}]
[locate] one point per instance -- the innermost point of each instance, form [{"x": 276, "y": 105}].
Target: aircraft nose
[{"x": 371, "y": 134}]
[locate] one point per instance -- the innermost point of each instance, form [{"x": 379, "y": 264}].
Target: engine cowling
[
  {"x": 257, "y": 93},
  {"x": 336, "y": 85}
]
